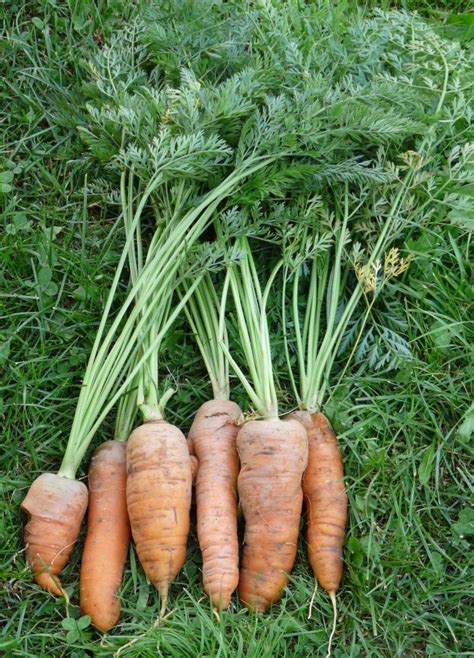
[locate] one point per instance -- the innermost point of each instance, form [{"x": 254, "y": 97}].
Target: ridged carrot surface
[
  {"x": 325, "y": 500},
  {"x": 159, "y": 482},
  {"x": 273, "y": 456},
  {"x": 213, "y": 436}
]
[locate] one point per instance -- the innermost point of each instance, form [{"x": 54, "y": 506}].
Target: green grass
[{"x": 405, "y": 434}]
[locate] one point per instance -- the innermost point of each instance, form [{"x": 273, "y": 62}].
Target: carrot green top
[
  {"x": 136, "y": 332},
  {"x": 252, "y": 324}
]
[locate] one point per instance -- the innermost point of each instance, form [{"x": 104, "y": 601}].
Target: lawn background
[{"x": 405, "y": 434}]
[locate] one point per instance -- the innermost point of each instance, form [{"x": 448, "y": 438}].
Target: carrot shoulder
[
  {"x": 213, "y": 436},
  {"x": 273, "y": 457},
  {"x": 108, "y": 535},
  {"x": 55, "y": 506}
]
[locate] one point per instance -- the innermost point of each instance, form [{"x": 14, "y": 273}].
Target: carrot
[
  {"x": 213, "y": 434},
  {"x": 159, "y": 484},
  {"x": 55, "y": 506},
  {"x": 316, "y": 336},
  {"x": 212, "y": 438},
  {"x": 108, "y": 534},
  {"x": 273, "y": 454},
  {"x": 273, "y": 457},
  {"x": 325, "y": 500}
]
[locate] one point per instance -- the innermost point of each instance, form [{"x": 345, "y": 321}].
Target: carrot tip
[
  {"x": 312, "y": 599},
  {"x": 332, "y": 596},
  {"x": 163, "y": 590}
]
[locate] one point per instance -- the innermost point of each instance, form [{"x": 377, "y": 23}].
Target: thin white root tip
[
  {"x": 310, "y": 611},
  {"x": 164, "y": 603},
  {"x": 332, "y": 596}
]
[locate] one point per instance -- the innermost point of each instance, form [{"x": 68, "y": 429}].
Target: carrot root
[
  {"x": 273, "y": 457},
  {"x": 55, "y": 507},
  {"x": 313, "y": 596},
  {"x": 325, "y": 500},
  {"x": 332, "y": 596},
  {"x": 108, "y": 535},
  {"x": 213, "y": 437},
  {"x": 159, "y": 483}
]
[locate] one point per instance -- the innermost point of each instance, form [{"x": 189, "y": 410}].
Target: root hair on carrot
[
  {"x": 313, "y": 595},
  {"x": 332, "y": 596}
]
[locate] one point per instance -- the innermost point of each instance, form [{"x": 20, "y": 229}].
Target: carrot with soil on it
[
  {"x": 55, "y": 506},
  {"x": 158, "y": 462},
  {"x": 108, "y": 534},
  {"x": 213, "y": 440},
  {"x": 273, "y": 454},
  {"x": 316, "y": 348}
]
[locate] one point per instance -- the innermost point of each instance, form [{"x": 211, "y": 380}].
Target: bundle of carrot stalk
[{"x": 301, "y": 222}]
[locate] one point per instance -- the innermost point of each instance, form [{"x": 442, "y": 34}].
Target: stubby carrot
[{"x": 55, "y": 506}]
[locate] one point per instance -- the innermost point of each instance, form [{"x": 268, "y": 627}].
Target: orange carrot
[
  {"x": 55, "y": 506},
  {"x": 159, "y": 481},
  {"x": 213, "y": 436},
  {"x": 273, "y": 456},
  {"x": 108, "y": 535},
  {"x": 325, "y": 500}
]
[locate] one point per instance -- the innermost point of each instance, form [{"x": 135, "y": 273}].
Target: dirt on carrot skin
[
  {"x": 159, "y": 484},
  {"x": 108, "y": 536},
  {"x": 55, "y": 507},
  {"x": 213, "y": 437},
  {"x": 325, "y": 499},
  {"x": 273, "y": 456}
]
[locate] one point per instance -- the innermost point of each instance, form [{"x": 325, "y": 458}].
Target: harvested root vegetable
[
  {"x": 108, "y": 535},
  {"x": 316, "y": 335},
  {"x": 213, "y": 435},
  {"x": 55, "y": 506},
  {"x": 212, "y": 438},
  {"x": 273, "y": 457},
  {"x": 325, "y": 500},
  {"x": 273, "y": 454},
  {"x": 159, "y": 482}
]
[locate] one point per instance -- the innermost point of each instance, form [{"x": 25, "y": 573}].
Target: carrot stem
[{"x": 252, "y": 324}]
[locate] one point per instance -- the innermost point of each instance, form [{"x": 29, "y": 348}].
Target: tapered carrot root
[
  {"x": 273, "y": 456},
  {"x": 159, "y": 482},
  {"x": 325, "y": 500},
  {"x": 56, "y": 507},
  {"x": 108, "y": 536},
  {"x": 213, "y": 436}
]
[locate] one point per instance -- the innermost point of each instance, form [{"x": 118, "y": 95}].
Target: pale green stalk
[
  {"x": 202, "y": 312},
  {"x": 115, "y": 348},
  {"x": 250, "y": 303}
]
